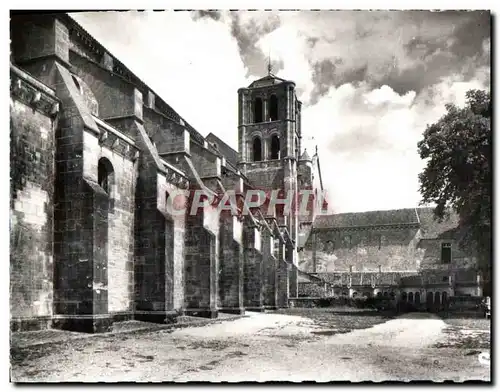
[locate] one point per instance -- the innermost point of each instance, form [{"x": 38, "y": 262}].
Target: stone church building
[{"x": 95, "y": 156}]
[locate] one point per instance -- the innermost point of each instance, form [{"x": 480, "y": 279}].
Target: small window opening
[
  {"x": 275, "y": 147},
  {"x": 105, "y": 175}
]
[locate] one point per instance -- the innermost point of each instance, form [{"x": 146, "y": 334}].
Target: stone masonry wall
[
  {"x": 336, "y": 250},
  {"x": 105, "y": 85},
  {"x": 231, "y": 263},
  {"x": 265, "y": 176},
  {"x": 121, "y": 223},
  {"x": 31, "y": 211},
  {"x": 269, "y": 269},
  {"x": 149, "y": 240},
  {"x": 253, "y": 269},
  {"x": 431, "y": 258},
  {"x": 174, "y": 247}
]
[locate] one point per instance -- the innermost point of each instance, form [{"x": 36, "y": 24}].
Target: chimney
[
  {"x": 350, "y": 268},
  {"x": 379, "y": 268}
]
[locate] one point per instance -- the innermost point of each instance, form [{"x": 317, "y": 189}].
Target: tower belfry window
[
  {"x": 257, "y": 149},
  {"x": 273, "y": 108},
  {"x": 275, "y": 147},
  {"x": 257, "y": 110}
]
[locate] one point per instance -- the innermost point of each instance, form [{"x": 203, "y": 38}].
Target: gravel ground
[{"x": 261, "y": 347}]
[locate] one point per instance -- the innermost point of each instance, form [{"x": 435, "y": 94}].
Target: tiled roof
[
  {"x": 229, "y": 153},
  {"x": 267, "y": 81},
  {"x": 369, "y": 218}
]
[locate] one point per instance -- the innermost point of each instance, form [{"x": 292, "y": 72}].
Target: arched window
[
  {"x": 105, "y": 175},
  {"x": 275, "y": 147},
  {"x": 437, "y": 299},
  {"x": 410, "y": 297},
  {"x": 417, "y": 298},
  {"x": 257, "y": 149},
  {"x": 273, "y": 108},
  {"x": 257, "y": 110}
]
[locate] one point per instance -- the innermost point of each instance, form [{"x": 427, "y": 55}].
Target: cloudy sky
[{"x": 369, "y": 81}]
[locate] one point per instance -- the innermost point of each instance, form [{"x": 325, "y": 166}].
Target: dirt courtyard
[{"x": 295, "y": 345}]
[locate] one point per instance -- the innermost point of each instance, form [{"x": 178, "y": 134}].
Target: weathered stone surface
[{"x": 32, "y": 175}]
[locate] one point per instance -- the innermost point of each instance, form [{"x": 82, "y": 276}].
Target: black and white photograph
[{"x": 250, "y": 195}]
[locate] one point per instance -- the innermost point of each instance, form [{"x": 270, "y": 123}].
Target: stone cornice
[
  {"x": 117, "y": 144},
  {"x": 33, "y": 93},
  {"x": 173, "y": 177}
]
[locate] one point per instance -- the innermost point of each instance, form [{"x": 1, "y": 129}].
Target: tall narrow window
[
  {"x": 257, "y": 149},
  {"x": 446, "y": 253},
  {"x": 275, "y": 147},
  {"x": 410, "y": 297},
  {"x": 347, "y": 241},
  {"x": 257, "y": 110},
  {"x": 105, "y": 174},
  {"x": 273, "y": 108}
]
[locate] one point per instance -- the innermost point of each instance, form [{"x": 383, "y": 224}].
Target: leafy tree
[{"x": 458, "y": 172}]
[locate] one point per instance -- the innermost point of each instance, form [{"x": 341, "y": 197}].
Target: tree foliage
[{"x": 458, "y": 151}]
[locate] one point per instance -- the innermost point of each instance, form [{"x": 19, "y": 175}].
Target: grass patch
[
  {"x": 481, "y": 324},
  {"x": 466, "y": 333}
]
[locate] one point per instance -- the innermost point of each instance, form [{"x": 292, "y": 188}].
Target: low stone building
[{"x": 400, "y": 254}]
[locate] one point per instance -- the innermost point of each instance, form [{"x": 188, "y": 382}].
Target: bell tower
[{"x": 269, "y": 134}]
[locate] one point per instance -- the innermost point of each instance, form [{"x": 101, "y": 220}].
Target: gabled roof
[
  {"x": 227, "y": 152},
  {"x": 267, "y": 80},
  {"x": 406, "y": 216}
]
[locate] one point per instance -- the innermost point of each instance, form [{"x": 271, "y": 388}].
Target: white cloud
[
  {"x": 197, "y": 71},
  {"x": 287, "y": 45},
  {"x": 367, "y": 138}
]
